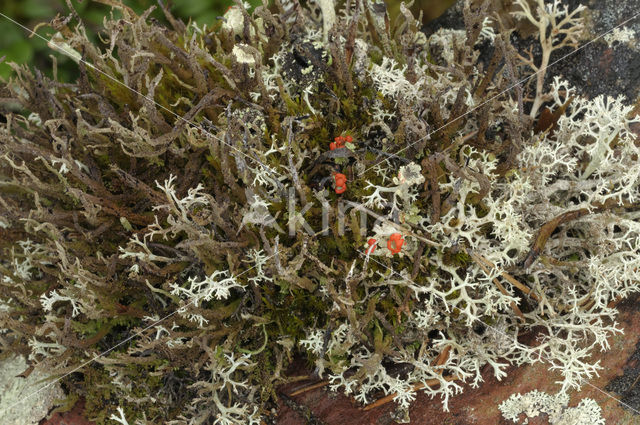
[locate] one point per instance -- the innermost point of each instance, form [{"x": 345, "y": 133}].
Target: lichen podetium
[{"x": 275, "y": 186}]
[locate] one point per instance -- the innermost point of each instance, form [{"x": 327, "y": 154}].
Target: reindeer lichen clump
[{"x": 215, "y": 196}]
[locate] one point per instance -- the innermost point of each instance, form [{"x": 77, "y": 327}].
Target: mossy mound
[{"x": 180, "y": 215}]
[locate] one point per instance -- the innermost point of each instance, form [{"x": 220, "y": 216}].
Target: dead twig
[
  {"x": 512, "y": 280},
  {"x": 416, "y": 387},
  {"x": 545, "y": 232},
  {"x": 502, "y": 289},
  {"x": 442, "y": 357},
  {"x": 309, "y": 388},
  {"x": 547, "y": 229}
]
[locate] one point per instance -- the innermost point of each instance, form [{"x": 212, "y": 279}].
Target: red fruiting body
[
  {"x": 373, "y": 244},
  {"x": 395, "y": 243},
  {"x": 341, "y": 182},
  {"x": 339, "y": 142}
]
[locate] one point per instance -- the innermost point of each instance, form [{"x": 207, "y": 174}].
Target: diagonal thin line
[
  {"x": 503, "y": 92},
  {"x": 71, "y": 53},
  {"x": 68, "y": 52},
  {"x": 610, "y": 396},
  {"x": 498, "y": 331},
  {"x": 140, "y": 332},
  {"x": 544, "y": 69}
]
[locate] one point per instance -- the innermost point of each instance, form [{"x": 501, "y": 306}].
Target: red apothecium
[
  {"x": 341, "y": 182},
  {"x": 373, "y": 244},
  {"x": 395, "y": 243}
]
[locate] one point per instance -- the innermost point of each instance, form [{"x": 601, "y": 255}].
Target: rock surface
[
  {"x": 598, "y": 68},
  {"x": 14, "y": 389},
  {"x": 479, "y": 406}
]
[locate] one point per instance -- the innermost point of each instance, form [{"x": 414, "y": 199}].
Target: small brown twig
[
  {"x": 291, "y": 379},
  {"x": 512, "y": 280},
  {"x": 386, "y": 399},
  {"x": 545, "y": 232},
  {"x": 442, "y": 357},
  {"x": 309, "y": 388},
  {"x": 548, "y": 228},
  {"x": 634, "y": 383},
  {"x": 502, "y": 289}
]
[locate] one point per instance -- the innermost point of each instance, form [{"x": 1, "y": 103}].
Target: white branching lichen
[
  {"x": 465, "y": 226},
  {"x": 620, "y": 36},
  {"x": 558, "y": 27},
  {"x": 535, "y": 403}
]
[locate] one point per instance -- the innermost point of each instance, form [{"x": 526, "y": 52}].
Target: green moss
[
  {"x": 456, "y": 257},
  {"x": 139, "y": 264},
  {"x": 102, "y": 393}
]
